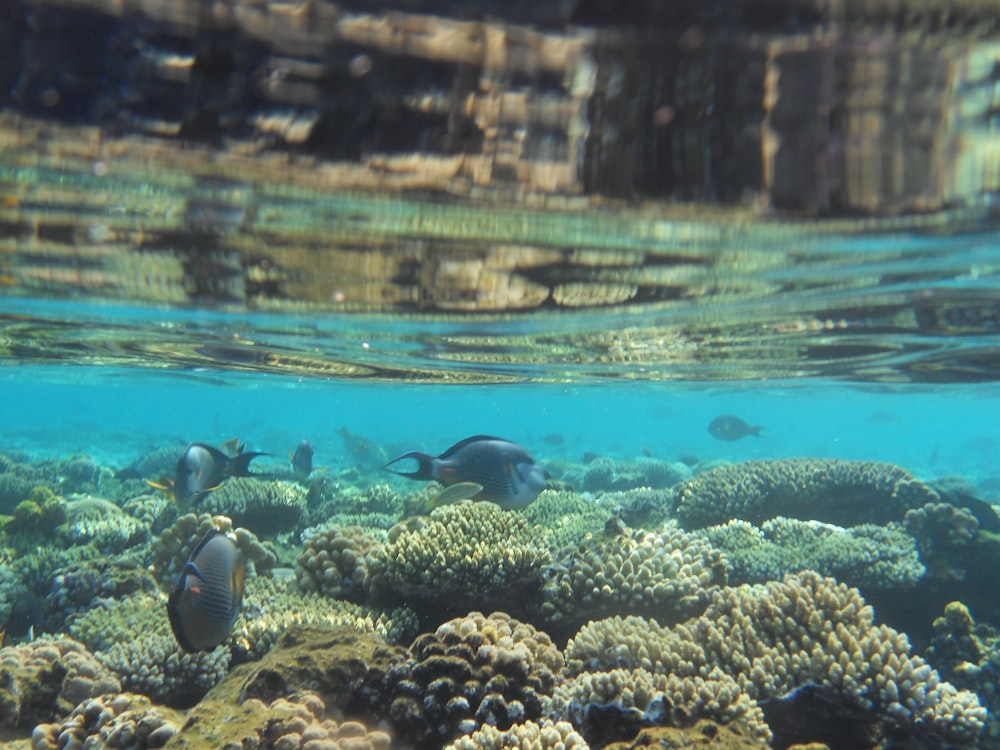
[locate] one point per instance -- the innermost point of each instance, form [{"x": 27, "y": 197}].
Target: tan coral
[
  {"x": 471, "y": 671},
  {"x": 774, "y": 639},
  {"x": 334, "y": 562},
  {"x": 470, "y": 551},
  {"x": 669, "y": 572},
  {"x": 46, "y": 678},
  {"x": 548, "y": 735},
  {"x": 123, "y": 720}
]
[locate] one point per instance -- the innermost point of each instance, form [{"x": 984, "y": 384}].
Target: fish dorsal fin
[
  {"x": 216, "y": 453},
  {"x": 468, "y": 441}
]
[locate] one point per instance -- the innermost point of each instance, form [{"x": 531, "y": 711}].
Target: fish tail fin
[
  {"x": 424, "y": 465},
  {"x": 755, "y": 430},
  {"x": 240, "y": 466}
]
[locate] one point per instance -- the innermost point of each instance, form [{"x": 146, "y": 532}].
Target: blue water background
[{"x": 117, "y": 416}]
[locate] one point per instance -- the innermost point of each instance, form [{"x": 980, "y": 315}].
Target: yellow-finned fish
[
  {"x": 302, "y": 461},
  {"x": 508, "y": 474},
  {"x": 205, "y": 601},
  {"x": 201, "y": 469}
]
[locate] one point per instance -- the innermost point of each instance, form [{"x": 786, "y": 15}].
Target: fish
[
  {"x": 453, "y": 493},
  {"x": 554, "y": 439},
  {"x": 984, "y": 512},
  {"x": 507, "y": 472},
  {"x": 201, "y": 469},
  {"x": 302, "y": 461},
  {"x": 365, "y": 454},
  {"x": 205, "y": 602},
  {"x": 728, "y": 427}
]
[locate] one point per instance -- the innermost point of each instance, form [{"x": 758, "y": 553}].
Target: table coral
[
  {"x": 634, "y": 571},
  {"x": 468, "y": 553},
  {"x": 864, "y": 556},
  {"x": 265, "y": 507},
  {"x": 846, "y": 493},
  {"x": 45, "y": 679}
]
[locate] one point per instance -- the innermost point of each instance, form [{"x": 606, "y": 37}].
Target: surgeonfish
[
  {"x": 201, "y": 469},
  {"x": 508, "y": 474},
  {"x": 205, "y": 601},
  {"x": 728, "y": 427},
  {"x": 302, "y": 461}
]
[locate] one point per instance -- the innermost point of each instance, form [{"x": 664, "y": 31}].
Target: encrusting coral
[
  {"x": 846, "y": 493},
  {"x": 865, "y": 556}
]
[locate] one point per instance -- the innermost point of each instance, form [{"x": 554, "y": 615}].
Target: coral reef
[
  {"x": 263, "y": 507},
  {"x": 93, "y": 520},
  {"x": 125, "y": 720},
  {"x": 348, "y": 670},
  {"x": 297, "y": 722},
  {"x": 132, "y": 638},
  {"x": 968, "y": 655},
  {"x": 530, "y": 735},
  {"x": 604, "y": 474},
  {"x": 567, "y": 517},
  {"x": 845, "y": 493},
  {"x": 172, "y": 548},
  {"x": 669, "y": 572},
  {"x": 865, "y": 556},
  {"x": 943, "y": 533},
  {"x": 272, "y": 607},
  {"x": 472, "y": 671},
  {"x": 43, "y": 680},
  {"x": 465, "y": 554},
  {"x": 35, "y": 519},
  {"x": 334, "y": 562},
  {"x": 774, "y": 640},
  {"x": 74, "y": 587},
  {"x": 18, "y": 478}
]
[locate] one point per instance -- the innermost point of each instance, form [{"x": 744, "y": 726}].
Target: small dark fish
[
  {"x": 553, "y": 439},
  {"x": 302, "y": 461},
  {"x": 205, "y": 602},
  {"x": 201, "y": 469},
  {"x": 507, "y": 472},
  {"x": 728, "y": 427}
]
